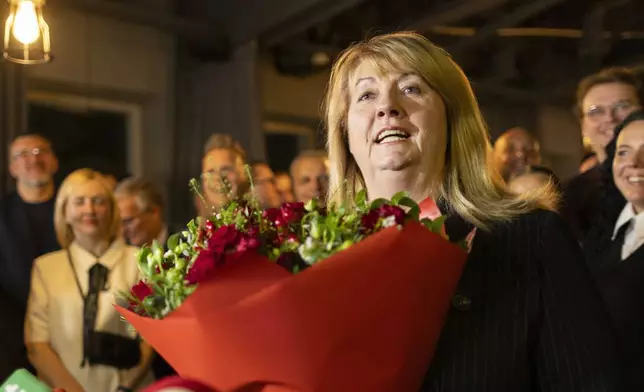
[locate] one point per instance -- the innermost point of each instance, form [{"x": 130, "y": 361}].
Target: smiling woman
[
  {"x": 617, "y": 254},
  {"x": 401, "y": 116},
  {"x": 72, "y": 291}
]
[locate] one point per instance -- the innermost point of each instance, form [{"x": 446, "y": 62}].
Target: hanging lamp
[{"x": 26, "y": 34}]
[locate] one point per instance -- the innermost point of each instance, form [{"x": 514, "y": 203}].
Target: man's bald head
[{"x": 514, "y": 151}]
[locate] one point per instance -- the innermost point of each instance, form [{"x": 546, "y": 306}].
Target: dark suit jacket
[
  {"x": 17, "y": 252},
  {"x": 13, "y": 354},
  {"x": 532, "y": 319},
  {"x": 581, "y": 199},
  {"x": 621, "y": 284}
]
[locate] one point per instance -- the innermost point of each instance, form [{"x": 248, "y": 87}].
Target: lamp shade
[{"x": 26, "y": 34}]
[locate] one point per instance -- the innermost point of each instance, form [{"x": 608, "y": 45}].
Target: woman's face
[
  {"x": 395, "y": 121},
  {"x": 88, "y": 210},
  {"x": 628, "y": 165}
]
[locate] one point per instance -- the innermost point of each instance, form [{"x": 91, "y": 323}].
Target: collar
[
  {"x": 84, "y": 260},
  {"x": 627, "y": 217}
]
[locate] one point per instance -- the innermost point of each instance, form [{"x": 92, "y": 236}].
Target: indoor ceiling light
[{"x": 26, "y": 34}]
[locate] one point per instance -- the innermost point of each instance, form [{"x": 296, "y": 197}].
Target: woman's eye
[
  {"x": 365, "y": 96},
  {"x": 622, "y": 153},
  {"x": 411, "y": 90}
]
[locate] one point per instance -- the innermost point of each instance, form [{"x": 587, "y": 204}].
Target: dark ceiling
[
  {"x": 524, "y": 49},
  {"x": 520, "y": 49}
]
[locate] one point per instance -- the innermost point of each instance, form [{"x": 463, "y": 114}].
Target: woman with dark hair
[{"x": 614, "y": 244}]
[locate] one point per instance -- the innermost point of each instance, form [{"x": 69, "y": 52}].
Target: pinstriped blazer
[{"x": 527, "y": 316}]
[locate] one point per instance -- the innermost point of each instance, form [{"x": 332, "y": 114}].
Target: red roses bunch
[
  {"x": 287, "y": 297},
  {"x": 293, "y": 236}
]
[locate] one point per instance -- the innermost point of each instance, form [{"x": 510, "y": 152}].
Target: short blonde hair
[
  {"x": 64, "y": 233},
  {"x": 225, "y": 142},
  {"x": 469, "y": 184}
]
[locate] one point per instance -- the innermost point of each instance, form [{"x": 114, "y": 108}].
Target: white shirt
[
  {"x": 55, "y": 310},
  {"x": 634, "y": 235}
]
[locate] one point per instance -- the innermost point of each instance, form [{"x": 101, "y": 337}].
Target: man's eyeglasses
[
  {"x": 619, "y": 110},
  {"x": 23, "y": 154}
]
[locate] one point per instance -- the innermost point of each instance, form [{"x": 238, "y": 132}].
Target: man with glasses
[
  {"x": 26, "y": 223},
  {"x": 604, "y": 100},
  {"x": 141, "y": 207}
]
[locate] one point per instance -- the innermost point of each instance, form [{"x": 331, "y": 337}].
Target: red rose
[
  {"x": 274, "y": 216},
  {"x": 370, "y": 220},
  {"x": 141, "y": 290},
  {"x": 247, "y": 243},
  {"x": 203, "y": 267},
  {"x": 223, "y": 238},
  {"x": 292, "y": 212},
  {"x": 389, "y": 210}
]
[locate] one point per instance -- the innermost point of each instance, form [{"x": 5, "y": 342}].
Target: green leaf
[
  {"x": 173, "y": 241},
  {"x": 395, "y": 200},
  {"x": 378, "y": 202},
  {"x": 414, "y": 209},
  {"x": 361, "y": 198}
]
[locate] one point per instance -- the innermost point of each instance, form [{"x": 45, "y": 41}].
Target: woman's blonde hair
[
  {"x": 470, "y": 185},
  {"x": 64, "y": 232}
]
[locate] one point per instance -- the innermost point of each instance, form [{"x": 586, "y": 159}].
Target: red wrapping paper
[{"x": 366, "y": 319}]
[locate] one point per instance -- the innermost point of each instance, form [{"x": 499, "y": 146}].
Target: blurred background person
[
  {"x": 284, "y": 187},
  {"x": 604, "y": 100},
  {"x": 26, "y": 229},
  {"x": 141, "y": 207},
  {"x": 76, "y": 339},
  {"x": 514, "y": 151},
  {"x": 534, "y": 178},
  {"x": 265, "y": 186},
  {"x": 310, "y": 175},
  {"x": 224, "y": 158}
]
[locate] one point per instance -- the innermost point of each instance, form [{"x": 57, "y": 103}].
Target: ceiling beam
[
  {"x": 127, "y": 12},
  {"x": 594, "y": 45},
  {"x": 516, "y": 17},
  {"x": 316, "y": 14},
  {"x": 453, "y": 13}
]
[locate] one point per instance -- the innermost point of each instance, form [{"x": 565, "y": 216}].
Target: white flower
[{"x": 389, "y": 221}]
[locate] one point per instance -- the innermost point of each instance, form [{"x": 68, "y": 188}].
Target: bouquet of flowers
[{"x": 301, "y": 297}]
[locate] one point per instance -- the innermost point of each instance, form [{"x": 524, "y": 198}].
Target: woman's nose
[{"x": 389, "y": 106}]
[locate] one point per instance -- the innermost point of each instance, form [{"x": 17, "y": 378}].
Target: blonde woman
[
  {"x": 75, "y": 338},
  {"x": 401, "y": 116}
]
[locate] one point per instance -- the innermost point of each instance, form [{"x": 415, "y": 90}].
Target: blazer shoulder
[
  {"x": 535, "y": 226},
  {"x": 50, "y": 260}
]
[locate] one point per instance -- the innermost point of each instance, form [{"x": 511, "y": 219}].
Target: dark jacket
[
  {"x": 17, "y": 246},
  {"x": 527, "y": 316}
]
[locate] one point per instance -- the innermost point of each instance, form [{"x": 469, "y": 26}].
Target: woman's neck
[
  {"x": 95, "y": 246},
  {"x": 386, "y": 184}
]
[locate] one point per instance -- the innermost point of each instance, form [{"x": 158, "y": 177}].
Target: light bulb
[{"x": 25, "y": 24}]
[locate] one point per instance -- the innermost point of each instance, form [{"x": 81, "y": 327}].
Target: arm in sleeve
[
  {"x": 575, "y": 344},
  {"x": 41, "y": 355}
]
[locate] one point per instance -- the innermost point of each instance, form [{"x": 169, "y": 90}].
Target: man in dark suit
[
  {"x": 141, "y": 206},
  {"x": 26, "y": 224}
]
